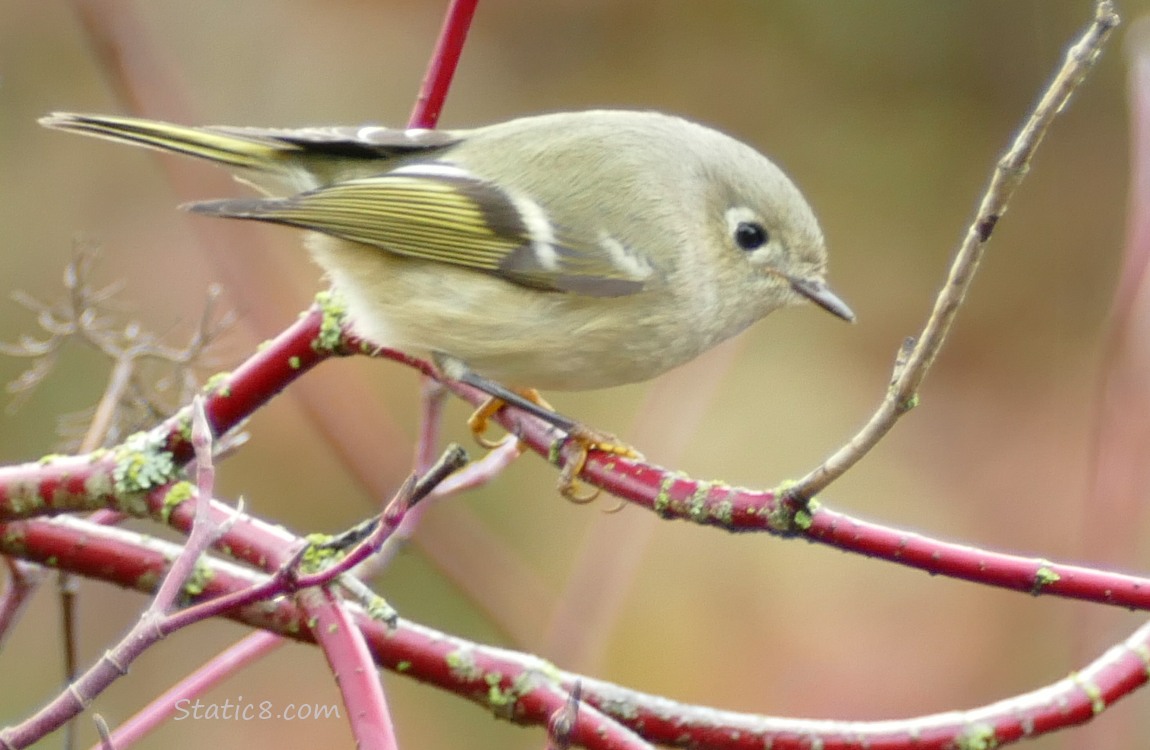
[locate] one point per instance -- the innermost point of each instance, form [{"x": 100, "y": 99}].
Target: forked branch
[{"x": 902, "y": 395}]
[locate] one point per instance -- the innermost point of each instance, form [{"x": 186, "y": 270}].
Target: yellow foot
[
  {"x": 586, "y": 440},
  {"x": 480, "y": 420},
  {"x": 583, "y": 439}
]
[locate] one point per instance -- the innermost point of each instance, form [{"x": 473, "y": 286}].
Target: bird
[{"x": 561, "y": 251}]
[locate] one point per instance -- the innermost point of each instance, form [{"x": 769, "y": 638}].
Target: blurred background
[{"x": 888, "y": 114}]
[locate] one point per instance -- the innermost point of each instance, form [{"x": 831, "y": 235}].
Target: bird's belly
[{"x": 504, "y": 331}]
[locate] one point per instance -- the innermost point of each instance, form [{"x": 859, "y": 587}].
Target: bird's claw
[{"x": 586, "y": 440}]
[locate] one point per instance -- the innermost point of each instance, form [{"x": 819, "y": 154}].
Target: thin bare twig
[
  {"x": 902, "y": 395},
  {"x": 149, "y": 379}
]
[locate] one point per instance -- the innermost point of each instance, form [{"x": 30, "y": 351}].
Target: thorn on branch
[
  {"x": 901, "y": 359},
  {"x": 986, "y": 227},
  {"x": 105, "y": 733},
  {"x": 561, "y": 725}
]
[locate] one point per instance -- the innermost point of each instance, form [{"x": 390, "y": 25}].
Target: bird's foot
[{"x": 584, "y": 441}]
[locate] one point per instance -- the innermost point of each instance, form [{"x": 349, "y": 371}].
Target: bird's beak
[{"x": 821, "y": 295}]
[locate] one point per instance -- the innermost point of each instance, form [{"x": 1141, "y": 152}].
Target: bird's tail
[{"x": 228, "y": 146}]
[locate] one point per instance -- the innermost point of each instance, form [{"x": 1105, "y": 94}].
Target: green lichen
[
  {"x": 218, "y": 385},
  {"x": 703, "y": 505},
  {"x": 183, "y": 427},
  {"x": 148, "y": 581},
  {"x": 790, "y": 516},
  {"x": 98, "y": 485},
  {"x": 805, "y": 516},
  {"x": 696, "y": 505},
  {"x": 142, "y": 463},
  {"x": 1093, "y": 692},
  {"x": 1044, "y": 577},
  {"x": 24, "y": 497},
  {"x": 548, "y": 670},
  {"x": 180, "y": 492},
  {"x": 294, "y": 362},
  {"x": 784, "y": 487},
  {"x": 977, "y": 737},
  {"x": 724, "y": 513},
  {"x": 662, "y": 504},
  {"x": 379, "y": 610},
  {"x": 781, "y": 519},
  {"x": 530, "y": 679},
  {"x": 14, "y": 541},
  {"x": 319, "y": 553},
  {"x": 334, "y": 309},
  {"x": 553, "y": 451},
  {"x": 403, "y": 666},
  {"x": 501, "y": 700},
  {"x": 619, "y": 708},
  {"x": 1143, "y": 653},
  {"x": 462, "y": 665},
  {"x": 198, "y": 581}
]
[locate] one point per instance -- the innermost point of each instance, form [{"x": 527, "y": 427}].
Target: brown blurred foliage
[{"x": 889, "y": 114}]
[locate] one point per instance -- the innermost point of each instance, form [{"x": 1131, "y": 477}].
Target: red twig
[
  {"x": 441, "y": 67},
  {"x": 523, "y": 688},
  {"x": 351, "y": 664},
  {"x": 153, "y": 624},
  {"x": 64, "y": 484},
  {"x": 180, "y": 697}
]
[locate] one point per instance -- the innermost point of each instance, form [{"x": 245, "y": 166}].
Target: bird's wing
[{"x": 440, "y": 212}]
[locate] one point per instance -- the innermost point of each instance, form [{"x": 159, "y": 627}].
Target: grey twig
[{"x": 1008, "y": 174}]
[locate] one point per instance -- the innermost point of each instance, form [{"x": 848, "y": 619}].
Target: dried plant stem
[{"x": 1008, "y": 175}]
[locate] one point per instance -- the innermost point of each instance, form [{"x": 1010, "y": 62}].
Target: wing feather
[{"x": 439, "y": 212}]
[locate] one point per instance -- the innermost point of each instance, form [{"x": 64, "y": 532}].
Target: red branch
[
  {"x": 441, "y": 67},
  {"x": 524, "y": 689},
  {"x": 675, "y": 496},
  {"x": 239, "y": 394},
  {"x": 520, "y": 687},
  {"x": 84, "y": 483}
]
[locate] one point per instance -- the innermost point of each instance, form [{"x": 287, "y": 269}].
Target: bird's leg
[
  {"x": 586, "y": 440},
  {"x": 583, "y": 438},
  {"x": 527, "y": 399},
  {"x": 478, "y": 422}
]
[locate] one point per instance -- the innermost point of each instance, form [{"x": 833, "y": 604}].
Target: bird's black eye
[{"x": 751, "y": 235}]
